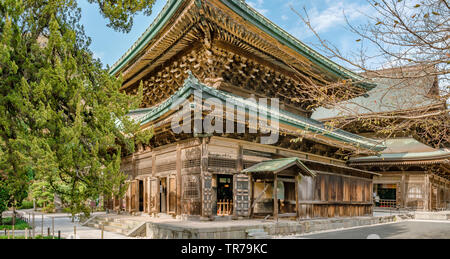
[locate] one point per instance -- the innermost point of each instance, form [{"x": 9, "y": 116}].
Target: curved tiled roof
[
  {"x": 405, "y": 149},
  {"x": 251, "y": 15},
  {"x": 390, "y": 95},
  {"x": 299, "y": 122}
]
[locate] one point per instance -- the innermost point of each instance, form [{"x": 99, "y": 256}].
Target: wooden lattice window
[
  {"x": 167, "y": 167},
  {"x": 144, "y": 171},
  {"x": 191, "y": 187},
  {"x": 415, "y": 192},
  {"x": 191, "y": 163},
  {"x": 222, "y": 162}
]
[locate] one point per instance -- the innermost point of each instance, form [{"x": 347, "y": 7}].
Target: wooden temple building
[
  {"x": 229, "y": 52},
  {"x": 412, "y": 175}
]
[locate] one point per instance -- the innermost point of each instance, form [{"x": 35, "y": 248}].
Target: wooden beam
[
  {"x": 252, "y": 195},
  {"x": 167, "y": 194},
  {"x": 275, "y": 198},
  {"x": 297, "y": 194},
  {"x": 149, "y": 195},
  {"x": 179, "y": 165}
]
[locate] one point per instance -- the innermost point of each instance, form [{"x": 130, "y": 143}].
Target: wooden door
[
  {"x": 145, "y": 195},
  {"x": 242, "y": 195},
  {"x": 154, "y": 194},
  {"x": 434, "y": 198},
  {"x": 134, "y": 195},
  {"x": 172, "y": 193}
]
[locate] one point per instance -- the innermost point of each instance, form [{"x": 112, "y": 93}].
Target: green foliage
[
  {"x": 59, "y": 109},
  {"x": 26, "y": 205},
  {"x": 49, "y": 208},
  {"x": 4, "y": 199},
  {"x": 20, "y": 224},
  {"x": 42, "y": 192},
  {"x": 120, "y": 12}
]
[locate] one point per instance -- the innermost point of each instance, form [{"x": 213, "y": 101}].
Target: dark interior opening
[
  {"x": 386, "y": 195},
  {"x": 141, "y": 196},
  {"x": 163, "y": 195},
  {"x": 225, "y": 187}
]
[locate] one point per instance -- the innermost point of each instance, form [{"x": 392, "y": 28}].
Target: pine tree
[{"x": 62, "y": 116}]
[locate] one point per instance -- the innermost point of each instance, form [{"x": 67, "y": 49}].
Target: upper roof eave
[
  {"x": 251, "y": 15},
  {"x": 417, "y": 156},
  {"x": 297, "y": 121}
]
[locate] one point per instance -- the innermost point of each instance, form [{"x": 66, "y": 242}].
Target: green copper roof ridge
[
  {"x": 440, "y": 153},
  {"x": 275, "y": 166},
  {"x": 192, "y": 83},
  {"x": 162, "y": 18}
]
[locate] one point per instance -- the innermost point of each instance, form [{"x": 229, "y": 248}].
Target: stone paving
[
  {"x": 167, "y": 227},
  {"x": 401, "y": 230},
  {"x": 63, "y": 222}
]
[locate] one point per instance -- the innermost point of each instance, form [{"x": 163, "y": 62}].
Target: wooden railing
[
  {"x": 386, "y": 203},
  {"x": 224, "y": 208}
]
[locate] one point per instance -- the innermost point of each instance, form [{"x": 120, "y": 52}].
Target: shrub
[
  {"x": 50, "y": 208},
  {"x": 20, "y": 224},
  {"x": 26, "y": 205}
]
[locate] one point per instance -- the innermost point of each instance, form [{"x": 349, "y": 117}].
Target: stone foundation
[{"x": 231, "y": 231}]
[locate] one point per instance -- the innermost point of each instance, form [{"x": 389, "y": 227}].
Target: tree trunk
[{"x": 14, "y": 216}]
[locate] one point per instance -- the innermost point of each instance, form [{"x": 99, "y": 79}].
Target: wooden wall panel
[{"x": 332, "y": 195}]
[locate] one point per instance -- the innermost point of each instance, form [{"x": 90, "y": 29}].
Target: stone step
[
  {"x": 116, "y": 229},
  {"x": 257, "y": 233},
  {"x": 112, "y": 224},
  {"x": 117, "y": 225},
  {"x": 164, "y": 216},
  {"x": 256, "y": 230}
]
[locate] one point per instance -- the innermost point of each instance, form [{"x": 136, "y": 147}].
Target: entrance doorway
[
  {"x": 385, "y": 195},
  {"x": 163, "y": 195},
  {"x": 141, "y": 196},
  {"x": 224, "y": 195}
]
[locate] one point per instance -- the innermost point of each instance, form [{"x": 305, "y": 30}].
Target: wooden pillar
[
  {"x": 149, "y": 195},
  {"x": 167, "y": 194},
  {"x": 136, "y": 195},
  {"x": 158, "y": 191},
  {"x": 297, "y": 194},
  {"x": 240, "y": 167},
  {"x": 145, "y": 194},
  {"x": 129, "y": 197},
  {"x": 204, "y": 194},
  {"x": 252, "y": 194},
  {"x": 275, "y": 198},
  {"x": 427, "y": 192},
  {"x": 403, "y": 190},
  {"x": 179, "y": 167}
]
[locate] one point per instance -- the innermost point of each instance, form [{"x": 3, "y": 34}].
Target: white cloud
[
  {"x": 333, "y": 16},
  {"x": 258, "y": 6}
]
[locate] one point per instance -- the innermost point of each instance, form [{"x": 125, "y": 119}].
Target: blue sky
[{"x": 326, "y": 17}]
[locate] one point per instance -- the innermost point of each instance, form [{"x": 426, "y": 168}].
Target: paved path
[
  {"x": 63, "y": 223},
  {"x": 403, "y": 230}
]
